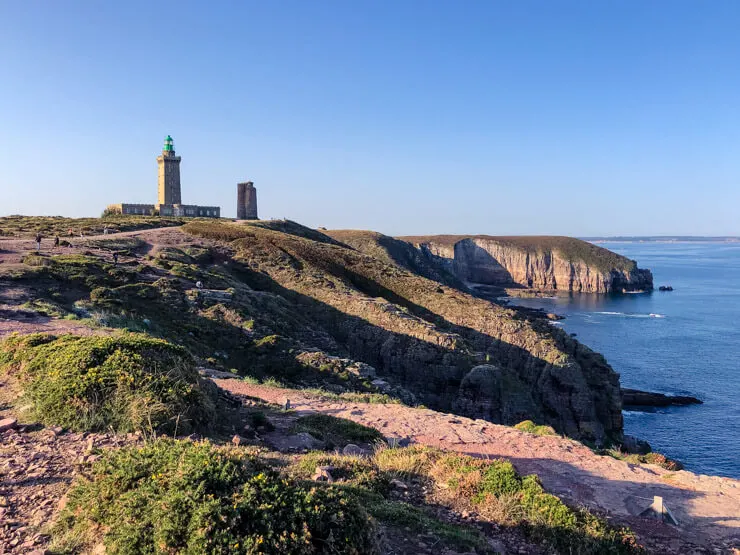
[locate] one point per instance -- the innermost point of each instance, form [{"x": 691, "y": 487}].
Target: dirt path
[{"x": 707, "y": 507}]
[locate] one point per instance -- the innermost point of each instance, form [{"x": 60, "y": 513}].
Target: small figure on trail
[
  {"x": 115, "y": 258},
  {"x": 56, "y": 241},
  {"x": 81, "y": 234},
  {"x": 105, "y": 230},
  {"x": 70, "y": 232},
  {"x": 199, "y": 284},
  {"x": 38, "y": 242}
]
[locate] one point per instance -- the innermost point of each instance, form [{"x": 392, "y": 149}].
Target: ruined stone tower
[
  {"x": 169, "y": 175},
  {"x": 246, "y": 201}
]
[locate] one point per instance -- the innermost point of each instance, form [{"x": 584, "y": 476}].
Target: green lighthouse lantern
[{"x": 168, "y": 144}]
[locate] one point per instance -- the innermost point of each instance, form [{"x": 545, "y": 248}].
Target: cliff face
[{"x": 547, "y": 264}]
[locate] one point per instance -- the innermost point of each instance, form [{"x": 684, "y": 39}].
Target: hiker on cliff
[
  {"x": 105, "y": 230},
  {"x": 38, "y": 242},
  {"x": 56, "y": 241}
]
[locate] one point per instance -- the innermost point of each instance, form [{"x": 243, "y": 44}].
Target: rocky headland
[{"x": 539, "y": 263}]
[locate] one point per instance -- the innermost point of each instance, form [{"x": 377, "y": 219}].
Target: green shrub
[
  {"x": 405, "y": 462},
  {"x": 127, "y": 382},
  {"x": 499, "y": 479},
  {"x": 415, "y": 519},
  {"x": 532, "y": 428},
  {"x": 45, "y": 308},
  {"x": 354, "y": 396},
  {"x": 496, "y": 491},
  {"x": 37, "y": 260},
  {"x": 356, "y": 471},
  {"x": 662, "y": 461},
  {"x": 336, "y": 430},
  {"x": 182, "y": 497}
]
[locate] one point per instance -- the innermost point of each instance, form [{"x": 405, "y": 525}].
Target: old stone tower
[
  {"x": 246, "y": 201},
  {"x": 169, "y": 175}
]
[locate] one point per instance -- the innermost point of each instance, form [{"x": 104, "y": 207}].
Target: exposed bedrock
[{"x": 549, "y": 264}]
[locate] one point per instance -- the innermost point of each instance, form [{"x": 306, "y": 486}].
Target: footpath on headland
[{"x": 707, "y": 507}]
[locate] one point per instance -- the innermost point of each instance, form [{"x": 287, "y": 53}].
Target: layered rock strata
[{"x": 548, "y": 264}]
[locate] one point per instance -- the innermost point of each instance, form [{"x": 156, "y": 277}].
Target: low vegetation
[
  {"x": 183, "y": 497},
  {"x": 371, "y": 485},
  {"x": 50, "y": 226},
  {"x": 355, "y": 397},
  {"x": 491, "y": 489},
  {"x": 532, "y": 428},
  {"x": 657, "y": 459},
  {"x": 125, "y": 383},
  {"x": 335, "y": 430},
  {"x": 78, "y": 270},
  {"x": 498, "y": 493}
]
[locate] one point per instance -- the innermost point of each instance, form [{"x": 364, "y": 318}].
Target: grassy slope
[
  {"x": 290, "y": 290},
  {"x": 339, "y": 277},
  {"x": 395, "y": 251}
]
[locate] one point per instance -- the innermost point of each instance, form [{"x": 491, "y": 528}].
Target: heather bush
[
  {"x": 183, "y": 497},
  {"x": 532, "y": 428},
  {"x": 125, "y": 383}
]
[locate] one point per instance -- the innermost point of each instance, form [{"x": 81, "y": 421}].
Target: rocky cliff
[
  {"x": 542, "y": 263},
  {"x": 279, "y": 300},
  {"x": 431, "y": 337}
]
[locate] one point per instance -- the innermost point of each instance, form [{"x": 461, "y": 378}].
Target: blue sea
[{"x": 683, "y": 342}]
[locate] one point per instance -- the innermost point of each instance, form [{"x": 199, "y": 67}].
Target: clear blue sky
[{"x": 595, "y": 117}]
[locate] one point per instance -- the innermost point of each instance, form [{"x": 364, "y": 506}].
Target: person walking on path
[
  {"x": 38, "y": 242},
  {"x": 115, "y": 258},
  {"x": 56, "y": 241}
]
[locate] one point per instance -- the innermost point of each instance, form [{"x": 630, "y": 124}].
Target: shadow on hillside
[
  {"x": 481, "y": 266},
  {"x": 436, "y": 372}
]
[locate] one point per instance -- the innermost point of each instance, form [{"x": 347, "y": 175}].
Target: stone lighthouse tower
[
  {"x": 246, "y": 201},
  {"x": 169, "y": 175}
]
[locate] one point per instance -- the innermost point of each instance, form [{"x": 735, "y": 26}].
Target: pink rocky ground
[
  {"x": 707, "y": 507},
  {"x": 36, "y": 468}
]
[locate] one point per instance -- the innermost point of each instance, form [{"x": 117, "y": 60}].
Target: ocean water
[{"x": 682, "y": 342}]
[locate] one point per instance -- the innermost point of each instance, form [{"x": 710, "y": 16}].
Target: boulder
[
  {"x": 636, "y": 446},
  {"x": 8, "y": 424},
  {"x": 353, "y": 450},
  {"x": 323, "y": 474}
]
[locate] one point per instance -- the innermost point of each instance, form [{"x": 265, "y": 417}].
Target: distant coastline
[{"x": 662, "y": 239}]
